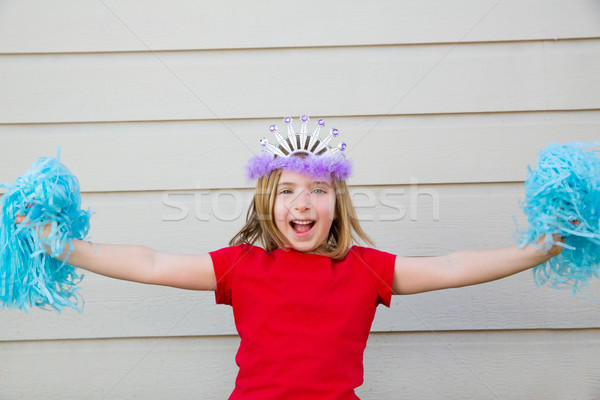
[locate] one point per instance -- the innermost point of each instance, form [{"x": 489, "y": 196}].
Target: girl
[{"x": 304, "y": 302}]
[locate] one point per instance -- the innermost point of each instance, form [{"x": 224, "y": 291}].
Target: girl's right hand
[{"x": 19, "y": 219}]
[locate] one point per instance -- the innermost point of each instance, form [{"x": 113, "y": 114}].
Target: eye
[
  {"x": 285, "y": 191},
  {"x": 319, "y": 191}
]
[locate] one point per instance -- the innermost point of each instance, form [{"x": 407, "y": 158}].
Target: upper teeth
[{"x": 302, "y": 222}]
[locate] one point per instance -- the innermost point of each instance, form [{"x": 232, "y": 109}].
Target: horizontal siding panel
[
  {"x": 84, "y": 26},
  {"x": 388, "y": 150},
  {"x": 514, "y": 365},
  {"x": 401, "y": 224},
  {"x": 378, "y": 80},
  {"x": 184, "y": 368}
]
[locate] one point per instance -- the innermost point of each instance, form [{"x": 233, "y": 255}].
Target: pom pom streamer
[
  {"x": 48, "y": 193},
  {"x": 563, "y": 197}
]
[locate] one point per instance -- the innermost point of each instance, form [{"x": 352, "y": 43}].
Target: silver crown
[{"x": 303, "y": 142}]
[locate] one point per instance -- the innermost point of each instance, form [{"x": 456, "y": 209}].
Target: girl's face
[{"x": 304, "y": 210}]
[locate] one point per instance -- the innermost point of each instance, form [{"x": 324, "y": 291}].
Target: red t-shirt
[{"x": 303, "y": 319}]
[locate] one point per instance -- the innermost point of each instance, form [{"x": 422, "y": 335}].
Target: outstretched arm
[
  {"x": 145, "y": 265},
  {"x": 142, "y": 264},
  {"x": 463, "y": 268}
]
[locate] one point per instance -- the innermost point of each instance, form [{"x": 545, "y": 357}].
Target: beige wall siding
[
  {"x": 122, "y": 309},
  {"x": 340, "y": 81},
  {"x": 71, "y": 26},
  {"x": 385, "y": 149},
  {"x": 492, "y": 365},
  {"x": 442, "y": 104}
]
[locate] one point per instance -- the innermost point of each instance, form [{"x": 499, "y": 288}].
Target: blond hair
[{"x": 260, "y": 224}]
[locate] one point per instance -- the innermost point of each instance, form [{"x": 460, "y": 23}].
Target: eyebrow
[
  {"x": 280, "y": 184},
  {"x": 285, "y": 183},
  {"x": 321, "y": 183}
]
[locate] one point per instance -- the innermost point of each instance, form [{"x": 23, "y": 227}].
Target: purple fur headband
[{"x": 301, "y": 152}]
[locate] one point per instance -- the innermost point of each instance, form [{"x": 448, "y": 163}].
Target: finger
[{"x": 19, "y": 219}]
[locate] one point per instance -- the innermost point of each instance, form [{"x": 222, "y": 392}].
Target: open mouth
[{"x": 302, "y": 226}]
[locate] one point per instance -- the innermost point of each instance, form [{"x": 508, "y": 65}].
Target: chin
[
  {"x": 300, "y": 248},
  {"x": 305, "y": 248}
]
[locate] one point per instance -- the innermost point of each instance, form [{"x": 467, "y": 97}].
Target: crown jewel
[
  {"x": 303, "y": 142},
  {"x": 301, "y": 152}
]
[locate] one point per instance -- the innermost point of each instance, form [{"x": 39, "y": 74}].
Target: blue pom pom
[
  {"x": 563, "y": 197},
  {"x": 48, "y": 193}
]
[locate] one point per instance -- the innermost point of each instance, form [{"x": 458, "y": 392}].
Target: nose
[{"x": 302, "y": 201}]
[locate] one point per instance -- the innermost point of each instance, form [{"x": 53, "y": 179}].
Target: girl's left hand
[{"x": 555, "y": 249}]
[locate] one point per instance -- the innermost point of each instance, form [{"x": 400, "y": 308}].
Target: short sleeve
[
  {"x": 224, "y": 263},
  {"x": 381, "y": 267}
]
